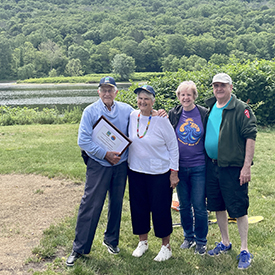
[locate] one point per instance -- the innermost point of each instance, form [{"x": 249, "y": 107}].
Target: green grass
[{"x": 51, "y": 150}]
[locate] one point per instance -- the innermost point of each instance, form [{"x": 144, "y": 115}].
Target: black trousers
[{"x": 150, "y": 194}]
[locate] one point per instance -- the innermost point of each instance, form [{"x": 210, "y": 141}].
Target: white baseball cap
[{"x": 222, "y": 78}]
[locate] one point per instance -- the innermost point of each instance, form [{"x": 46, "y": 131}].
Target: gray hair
[
  {"x": 187, "y": 85},
  {"x": 148, "y": 94}
]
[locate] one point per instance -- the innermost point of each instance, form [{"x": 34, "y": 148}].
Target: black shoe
[
  {"x": 200, "y": 249},
  {"x": 72, "y": 258},
  {"x": 187, "y": 244},
  {"x": 111, "y": 249}
]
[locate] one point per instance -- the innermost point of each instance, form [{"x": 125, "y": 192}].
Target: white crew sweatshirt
[{"x": 157, "y": 151}]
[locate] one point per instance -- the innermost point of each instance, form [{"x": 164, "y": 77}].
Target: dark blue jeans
[{"x": 191, "y": 194}]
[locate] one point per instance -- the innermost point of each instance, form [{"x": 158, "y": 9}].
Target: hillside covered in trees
[{"x": 75, "y": 37}]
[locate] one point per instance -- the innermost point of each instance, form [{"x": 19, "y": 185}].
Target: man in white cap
[{"x": 229, "y": 144}]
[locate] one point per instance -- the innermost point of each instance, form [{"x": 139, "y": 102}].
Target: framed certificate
[{"x": 108, "y": 136}]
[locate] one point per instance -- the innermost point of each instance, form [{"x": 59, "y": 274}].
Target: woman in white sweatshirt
[{"x": 153, "y": 173}]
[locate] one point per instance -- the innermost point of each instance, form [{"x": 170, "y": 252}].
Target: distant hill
[{"x": 74, "y": 37}]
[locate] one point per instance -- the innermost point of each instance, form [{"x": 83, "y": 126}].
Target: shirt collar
[{"x": 106, "y": 108}]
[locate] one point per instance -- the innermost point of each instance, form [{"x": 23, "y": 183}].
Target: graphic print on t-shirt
[{"x": 189, "y": 133}]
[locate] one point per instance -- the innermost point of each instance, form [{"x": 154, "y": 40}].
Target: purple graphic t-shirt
[{"x": 190, "y": 136}]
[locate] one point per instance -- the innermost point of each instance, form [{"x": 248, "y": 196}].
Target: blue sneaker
[
  {"x": 244, "y": 259},
  {"x": 219, "y": 249}
]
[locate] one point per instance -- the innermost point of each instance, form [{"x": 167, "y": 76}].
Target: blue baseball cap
[
  {"x": 146, "y": 88},
  {"x": 107, "y": 80}
]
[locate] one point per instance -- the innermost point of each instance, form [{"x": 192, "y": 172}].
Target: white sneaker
[
  {"x": 141, "y": 249},
  {"x": 164, "y": 254}
]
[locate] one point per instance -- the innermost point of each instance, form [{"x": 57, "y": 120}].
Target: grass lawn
[{"x": 51, "y": 150}]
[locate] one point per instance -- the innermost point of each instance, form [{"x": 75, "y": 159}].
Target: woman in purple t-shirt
[{"x": 188, "y": 121}]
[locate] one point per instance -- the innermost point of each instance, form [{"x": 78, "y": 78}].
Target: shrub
[
  {"x": 24, "y": 116},
  {"x": 253, "y": 82}
]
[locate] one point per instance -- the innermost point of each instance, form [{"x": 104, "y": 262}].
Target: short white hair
[{"x": 151, "y": 96}]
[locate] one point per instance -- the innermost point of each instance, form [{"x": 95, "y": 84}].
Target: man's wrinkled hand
[
  {"x": 162, "y": 113},
  {"x": 112, "y": 157},
  {"x": 245, "y": 175}
]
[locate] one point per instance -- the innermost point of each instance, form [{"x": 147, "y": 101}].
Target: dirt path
[{"x": 28, "y": 205}]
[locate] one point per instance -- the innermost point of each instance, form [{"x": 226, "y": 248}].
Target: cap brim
[
  {"x": 140, "y": 89},
  {"x": 107, "y": 84},
  {"x": 220, "y": 81}
]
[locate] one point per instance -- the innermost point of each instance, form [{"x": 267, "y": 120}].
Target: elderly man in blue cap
[{"x": 106, "y": 172}]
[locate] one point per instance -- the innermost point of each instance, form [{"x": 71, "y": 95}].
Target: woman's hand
[{"x": 174, "y": 180}]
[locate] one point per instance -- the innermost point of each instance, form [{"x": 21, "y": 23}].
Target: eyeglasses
[{"x": 105, "y": 91}]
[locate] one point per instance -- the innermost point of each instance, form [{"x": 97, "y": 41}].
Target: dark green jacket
[{"x": 238, "y": 124}]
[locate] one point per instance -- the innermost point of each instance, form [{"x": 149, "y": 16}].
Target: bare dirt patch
[{"x": 28, "y": 205}]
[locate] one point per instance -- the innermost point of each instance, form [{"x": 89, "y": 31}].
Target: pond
[{"x": 60, "y": 96}]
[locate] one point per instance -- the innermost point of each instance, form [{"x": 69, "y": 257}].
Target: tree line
[
  {"x": 78, "y": 37},
  {"x": 253, "y": 82}
]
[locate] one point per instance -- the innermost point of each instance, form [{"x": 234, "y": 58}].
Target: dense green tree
[
  {"x": 73, "y": 68},
  {"x": 137, "y": 35},
  {"x": 149, "y": 56},
  {"x": 53, "y": 73},
  {"x": 195, "y": 63},
  {"x": 27, "y": 71},
  {"x": 123, "y": 66},
  {"x": 149, "y": 31},
  {"x": 17, "y": 59},
  {"x": 51, "y": 51},
  {"x": 219, "y": 59},
  {"x": 100, "y": 60},
  {"x": 42, "y": 65},
  {"x": 99, "y": 65},
  {"x": 108, "y": 32},
  {"x": 203, "y": 45},
  {"x": 130, "y": 48},
  {"x": 68, "y": 40},
  {"x": 28, "y": 53},
  {"x": 178, "y": 45},
  {"x": 93, "y": 35},
  {"x": 18, "y": 41},
  {"x": 170, "y": 63},
  {"x": 113, "y": 52},
  {"x": 82, "y": 54},
  {"x": 5, "y": 59},
  {"x": 183, "y": 62}
]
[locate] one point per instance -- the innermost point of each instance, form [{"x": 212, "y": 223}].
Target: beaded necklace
[{"x": 149, "y": 120}]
